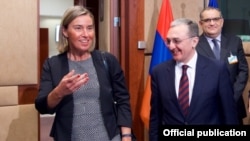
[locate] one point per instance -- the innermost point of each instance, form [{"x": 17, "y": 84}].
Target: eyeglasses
[
  {"x": 212, "y": 19},
  {"x": 175, "y": 41}
]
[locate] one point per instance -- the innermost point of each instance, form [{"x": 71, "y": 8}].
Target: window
[{"x": 236, "y": 14}]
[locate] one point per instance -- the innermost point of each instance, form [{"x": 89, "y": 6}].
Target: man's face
[
  {"x": 180, "y": 44},
  {"x": 211, "y": 23}
]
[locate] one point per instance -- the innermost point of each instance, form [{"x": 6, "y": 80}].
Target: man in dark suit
[
  {"x": 230, "y": 51},
  {"x": 209, "y": 99}
]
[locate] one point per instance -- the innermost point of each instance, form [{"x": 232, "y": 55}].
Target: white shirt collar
[{"x": 218, "y": 38}]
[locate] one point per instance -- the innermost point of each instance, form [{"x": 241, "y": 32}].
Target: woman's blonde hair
[{"x": 69, "y": 15}]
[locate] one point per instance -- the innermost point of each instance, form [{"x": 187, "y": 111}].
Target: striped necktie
[{"x": 183, "y": 97}]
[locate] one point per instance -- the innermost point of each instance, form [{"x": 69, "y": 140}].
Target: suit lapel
[
  {"x": 60, "y": 67},
  {"x": 199, "y": 77},
  {"x": 224, "y": 51},
  {"x": 170, "y": 76},
  {"x": 205, "y": 47}
]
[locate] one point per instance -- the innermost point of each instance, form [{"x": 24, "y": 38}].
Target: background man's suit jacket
[{"x": 231, "y": 45}]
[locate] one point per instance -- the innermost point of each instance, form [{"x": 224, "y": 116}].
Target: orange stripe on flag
[
  {"x": 160, "y": 54},
  {"x": 145, "y": 112}
]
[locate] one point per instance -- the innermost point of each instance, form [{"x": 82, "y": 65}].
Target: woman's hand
[{"x": 71, "y": 83}]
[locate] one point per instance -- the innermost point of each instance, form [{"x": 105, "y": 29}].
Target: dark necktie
[
  {"x": 183, "y": 97},
  {"x": 216, "y": 49}
]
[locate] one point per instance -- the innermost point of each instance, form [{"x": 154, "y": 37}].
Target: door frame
[{"x": 132, "y": 58}]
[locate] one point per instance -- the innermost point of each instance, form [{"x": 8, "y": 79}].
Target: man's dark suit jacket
[
  {"x": 238, "y": 71},
  {"x": 212, "y": 101}
]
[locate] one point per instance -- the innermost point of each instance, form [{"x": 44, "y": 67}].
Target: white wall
[
  {"x": 54, "y": 8},
  {"x": 51, "y": 12},
  {"x": 51, "y": 23}
]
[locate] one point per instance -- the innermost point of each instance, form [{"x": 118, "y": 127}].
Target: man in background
[{"x": 227, "y": 48}]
